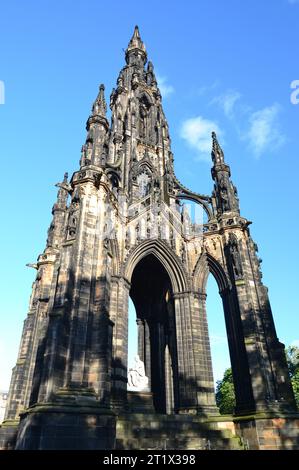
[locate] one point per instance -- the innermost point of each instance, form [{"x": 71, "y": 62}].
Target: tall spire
[
  {"x": 217, "y": 152},
  {"x": 225, "y": 195},
  {"x": 136, "y": 52},
  {"x": 99, "y": 107}
]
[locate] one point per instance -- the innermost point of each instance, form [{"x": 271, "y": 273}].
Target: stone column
[
  {"x": 187, "y": 388},
  {"x": 119, "y": 315},
  {"x": 202, "y": 356},
  {"x": 147, "y": 353}
]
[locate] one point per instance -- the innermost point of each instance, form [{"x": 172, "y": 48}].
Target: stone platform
[
  {"x": 180, "y": 432},
  {"x": 82, "y": 424}
]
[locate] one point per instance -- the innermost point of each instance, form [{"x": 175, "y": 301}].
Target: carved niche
[
  {"x": 235, "y": 257},
  {"x": 144, "y": 117},
  {"x": 144, "y": 182},
  {"x": 73, "y": 217}
]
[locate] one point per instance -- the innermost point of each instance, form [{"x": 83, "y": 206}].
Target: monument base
[
  {"x": 83, "y": 424},
  {"x": 266, "y": 432},
  {"x": 140, "y": 402}
]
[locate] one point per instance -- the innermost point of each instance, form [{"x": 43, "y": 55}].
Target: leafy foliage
[
  {"x": 225, "y": 393},
  {"x": 292, "y": 354}
]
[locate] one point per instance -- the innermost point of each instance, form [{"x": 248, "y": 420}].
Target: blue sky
[{"x": 223, "y": 65}]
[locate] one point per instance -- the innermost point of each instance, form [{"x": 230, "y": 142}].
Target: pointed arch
[
  {"x": 206, "y": 264},
  {"x": 145, "y": 97},
  {"x": 166, "y": 256}
]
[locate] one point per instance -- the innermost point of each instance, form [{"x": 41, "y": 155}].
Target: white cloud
[
  {"x": 165, "y": 88},
  {"x": 227, "y": 102},
  {"x": 264, "y": 133},
  {"x": 197, "y": 133}
]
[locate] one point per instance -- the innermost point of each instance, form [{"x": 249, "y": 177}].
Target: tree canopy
[
  {"x": 292, "y": 354},
  {"x": 225, "y": 393}
]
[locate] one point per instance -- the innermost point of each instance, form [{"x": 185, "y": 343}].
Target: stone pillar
[
  {"x": 147, "y": 353},
  {"x": 187, "y": 387},
  {"x": 202, "y": 356},
  {"x": 119, "y": 315}
]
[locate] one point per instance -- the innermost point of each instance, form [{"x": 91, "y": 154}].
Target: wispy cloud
[
  {"x": 197, "y": 133},
  {"x": 218, "y": 340},
  {"x": 206, "y": 89},
  {"x": 264, "y": 131},
  {"x": 227, "y": 102},
  {"x": 165, "y": 88}
]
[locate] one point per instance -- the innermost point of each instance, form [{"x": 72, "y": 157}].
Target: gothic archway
[
  {"x": 236, "y": 342},
  {"x": 151, "y": 292},
  {"x": 169, "y": 260}
]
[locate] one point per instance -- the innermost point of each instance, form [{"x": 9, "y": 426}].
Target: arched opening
[
  {"x": 234, "y": 329},
  {"x": 151, "y": 293},
  {"x": 218, "y": 336},
  {"x": 132, "y": 333}
]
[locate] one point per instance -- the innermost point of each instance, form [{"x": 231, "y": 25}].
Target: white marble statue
[{"x": 137, "y": 380}]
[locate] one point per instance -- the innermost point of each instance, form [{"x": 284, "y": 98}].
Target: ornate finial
[
  {"x": 217, "y": 152},
  {"x": 136, "y": 44},
  {"x": 136, "y": 41},
  {"x": 99, "y": 106},
  {"x": 65, "y": 177}
]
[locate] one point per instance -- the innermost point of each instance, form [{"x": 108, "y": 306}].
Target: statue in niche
[
  {"x": 137, "y": 380},
  {"x": 142, "y": 121},
  {"x": 224, "y": 195},
  {"x": 235, "y": 257},
  {"x": 73, "y": 216},
  {"x": 144, "y": 183},
  {"x": 72, "y": 224}
]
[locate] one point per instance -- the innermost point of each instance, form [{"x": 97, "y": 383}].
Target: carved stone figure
[
  {"x": 235, "y": 257},
  {"x": 137, "y": 380},
  {"x": 142, "y": 120},
  {"x": 143, "y": 180},
  {"x": 224, "y": 197}
]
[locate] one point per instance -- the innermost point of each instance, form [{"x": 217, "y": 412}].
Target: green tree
[
  {"x": 225, "y": 393},
  {"x": 292, "y": 354}
]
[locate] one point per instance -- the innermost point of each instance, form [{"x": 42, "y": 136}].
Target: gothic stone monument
[{"x": 119, "y": 230}]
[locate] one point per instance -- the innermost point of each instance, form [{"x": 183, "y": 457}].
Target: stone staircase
[{"x": 172, "y": 432}]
